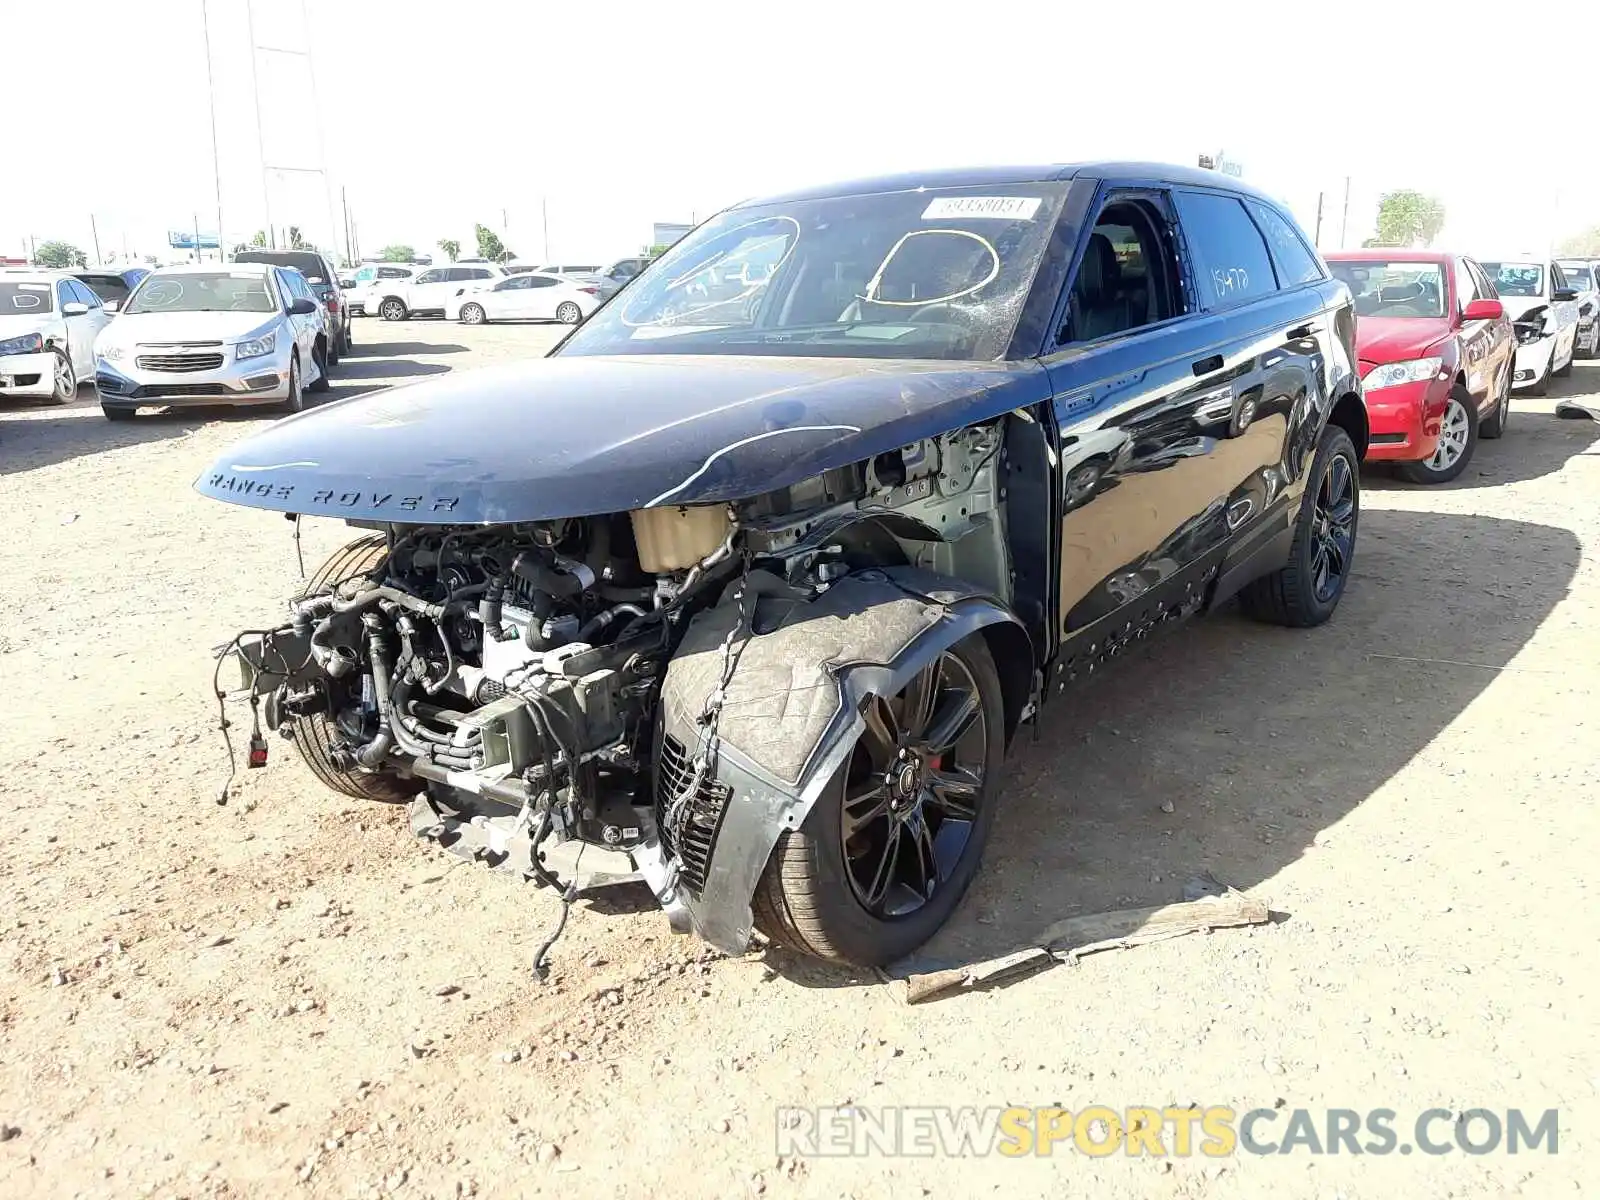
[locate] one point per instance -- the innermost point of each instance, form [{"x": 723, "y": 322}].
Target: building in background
[{"x": 664, "y": 233}]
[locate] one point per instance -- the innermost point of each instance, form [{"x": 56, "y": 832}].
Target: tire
[
  {"x": 314, "y": 736},
  {"x": 1458, "y": 437},
  {"x": 296, "y": 401},
  {"x": 1494, "y": 425},
  {"x": 393, "y": 309},
  {"x": 1541, "y": 387},
  {"x": 118, "y": 412},
  {"x": 321, "y": 383},
  {"x": 810, "y": 899},
  {"x": 1291, "y": 596},
  {"x": 568, "y": 313},
  {"x": 1566, "y": 368},
  {"x": 473, "y": 314},
  {"x": 65, "y": 376},
  {"x": 349, "y": 341}
]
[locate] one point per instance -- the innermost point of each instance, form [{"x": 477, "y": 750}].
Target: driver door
[{"x": 543, "y": 295}]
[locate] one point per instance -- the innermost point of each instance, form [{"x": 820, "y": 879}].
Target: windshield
[
  {"x": 25, "y": 299},
  {"x": 202, "y": 291},
  {"x": 1578, "y": 276},
  {"x": 309, "y": 265},
  {"x": 1394, "y": 289},
  {"x": 1516, "y": 278},
  {"x": 915, "y": 274}
]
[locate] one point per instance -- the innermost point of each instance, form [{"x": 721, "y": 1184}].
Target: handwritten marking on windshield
[
  {"x": 273, "y": 466},
  {"x": 732, "y": 446}
]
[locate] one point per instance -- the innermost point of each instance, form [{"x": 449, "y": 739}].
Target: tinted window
[
  {"x": 478, "y": 273},
  {"x": 306, "y": 262},
  {"x": 108, "y": 287},
  {"x": 539, "y": 281},
  {"x": 24, "y": 299},
  {"x": 1485, "y": 286},
  {"x": 86, "y": 294},
  {"x": 1578, "y": 276},
  {"x": 393, "y": 273},
  {"x": 438, "y": 275},
  {"x": 1234, "y": 264},
  {"x": 1296, "y": 265},
  {"x": 515, "y": 284},
  {"x": 1126, "y": 278}
]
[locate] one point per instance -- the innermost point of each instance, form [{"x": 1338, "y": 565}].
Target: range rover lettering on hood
[{"x": 586, "y": 435}]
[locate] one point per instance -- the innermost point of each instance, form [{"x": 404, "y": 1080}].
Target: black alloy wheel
[{"x": 1334, "y": 528}]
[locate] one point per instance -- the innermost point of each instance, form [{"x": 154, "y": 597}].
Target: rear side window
[
  {"x": 1235, "y": 266},
  {"x": 1296, "y": 265}
]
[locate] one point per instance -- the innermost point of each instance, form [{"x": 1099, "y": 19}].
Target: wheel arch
[
  {"x": 1350, "y": 414},
  {"x": 791, "y": 709}
]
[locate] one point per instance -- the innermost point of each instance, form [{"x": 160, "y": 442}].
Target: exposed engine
[{"x": 511, "y": 673}]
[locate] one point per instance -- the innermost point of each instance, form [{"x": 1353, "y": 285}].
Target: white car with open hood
[
  {"x": 1583, "y": 277},
  {"x": 48, "y": 325},
  {"x": 1544, "y": 313},
  {"x": 247, "y": 333}
]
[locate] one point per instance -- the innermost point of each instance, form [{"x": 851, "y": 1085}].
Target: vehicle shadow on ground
[
  {"x": 382, "y": 349},
  {"x": 1258, "y": 737},
  {"x": 1535, "y": 444},
  {"x": 70, "y": 431}
]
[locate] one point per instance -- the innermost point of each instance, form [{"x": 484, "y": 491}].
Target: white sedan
[
  {"x": 533, "y": 296},
  {"x": 48, "y": 324}
]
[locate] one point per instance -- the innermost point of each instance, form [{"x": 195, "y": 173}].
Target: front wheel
[
  {"x": 473, "y": 314},
  {"x": 1566, "y": 368},
  {"x": 321, "y": 383},
  {"x": 393, "y": 309},
  {"x": 295, "y": 401},
  {"x": 568, "y": 313},
  {"x": 889, "y": 848},
  {"x": 317, "y": 734},
  {"x": 1307, "y": 590},
  {"x": 66, "y": 380},
  {"x": 1458, "y": 438}
]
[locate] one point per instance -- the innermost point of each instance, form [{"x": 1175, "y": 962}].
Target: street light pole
[{"x": 211, "y": 97}]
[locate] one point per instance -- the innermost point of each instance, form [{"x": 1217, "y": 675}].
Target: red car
[{"x": 1436, "y": 352}]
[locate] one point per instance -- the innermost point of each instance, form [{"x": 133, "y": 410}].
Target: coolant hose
[
  {"x": 602, "y": 621},
  {"x": 545, "y": 577},
  {"x": 377, "y": 749},
  {"x": 489, "y": 609}
]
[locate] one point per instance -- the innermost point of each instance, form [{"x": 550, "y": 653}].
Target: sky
[{"x": 571, "y": 127}]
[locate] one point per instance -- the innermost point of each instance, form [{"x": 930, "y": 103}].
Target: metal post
[
  {"x": 316, "y": 104},
  {"x": 197, "y": 237},
  {"x": 1344, "y": 221},
  {"x": 544, "y": 220},
  {"x": 255, "y": 90},
  {"x": 1316, "y": 238},
  {"x": 94, "y": 232},
  {"x": 349, "y": 246},
  {"x": 211, "y": 99}
]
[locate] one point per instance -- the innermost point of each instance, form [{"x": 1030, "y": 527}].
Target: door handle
[
  {"x": 1205, "y": 366},
  {"x": 1301, "y": 331}
]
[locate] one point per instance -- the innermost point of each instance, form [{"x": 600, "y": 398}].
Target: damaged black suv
[{"x": 746, "y": 587}]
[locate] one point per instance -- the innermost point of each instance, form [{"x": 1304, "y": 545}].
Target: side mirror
[
  {"x": 301, "y": 307},
  {"x": 347, "y": 284},
  {"x": 74, "y": 308},
  {"x": 111, "y": 306},
  {"x": 1563, "y": 294},
  {"x": 1484, "y": 310}
]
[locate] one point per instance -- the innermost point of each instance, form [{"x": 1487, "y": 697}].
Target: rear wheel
[
  {"x": 1495, "y": 424},
  {"x": 1307, "y": 590},
  {"x": 315, "y": 735},
  {"x": 1458, "y": 438},
  {"x": 568, "y": 313},
  {"x": 887, "y": 851},
  {"x": 320, "y": 357}
]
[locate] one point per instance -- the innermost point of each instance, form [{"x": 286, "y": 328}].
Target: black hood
[{"x": 569, "y": 437}]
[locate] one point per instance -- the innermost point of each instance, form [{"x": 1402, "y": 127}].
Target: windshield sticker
[
  {"x": 34, "y": 287},
  {"x": 1004, "y": 208}
]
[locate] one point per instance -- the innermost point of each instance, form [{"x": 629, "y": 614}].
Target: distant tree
[
  {"x": 490, "y": 246},
  {"x": 296, "y": 242},
  {"x": 59, "y": 255},
  {"x": 451, "y": 247},
  {"x": 398, "y": 253},
  {"x": 260, "y": 238},
  {"x": 1581, "y": 245},
  {"x": 657, "y": 250},
  {"x": 1407, "y": 218}
]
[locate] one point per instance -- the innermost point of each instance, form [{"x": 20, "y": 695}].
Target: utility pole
[
  {"x": 544, "y": 220},
  {"x": 197, "y": 237},
  {"x": 211, "y": 98},
  {"x": 1316, "y": 238},
  {"x": 94, "y": 233},
  {"x": 1344, "y": 221},
  {"x": 349, "y": 244}
]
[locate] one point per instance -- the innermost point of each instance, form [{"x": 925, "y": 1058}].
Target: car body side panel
[{"x": 1177, "y": 439}]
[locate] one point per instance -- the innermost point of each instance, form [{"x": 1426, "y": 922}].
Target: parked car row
[{"x": 1444, "y": 340}]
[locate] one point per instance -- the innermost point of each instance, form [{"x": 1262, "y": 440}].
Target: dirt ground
[{"x": 290, "y": 995}]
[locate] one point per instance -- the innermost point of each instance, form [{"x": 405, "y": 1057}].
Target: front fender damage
[{"x": 790, "y": 715}]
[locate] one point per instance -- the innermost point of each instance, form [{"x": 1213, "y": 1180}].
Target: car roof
[
  {"x": 1390, "y": 254},
  {"x": 229, "y": 268},
  {"x": 954, "y": 177}
]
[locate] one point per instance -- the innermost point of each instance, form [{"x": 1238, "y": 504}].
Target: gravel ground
[{"x": 291, "y": 994}]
